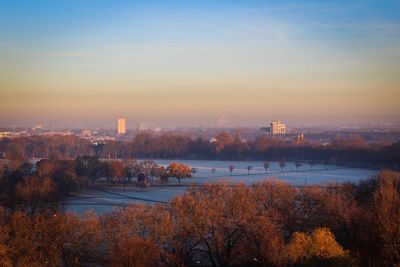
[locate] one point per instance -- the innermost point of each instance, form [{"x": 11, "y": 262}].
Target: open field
[{"x": 104, "y": 199}]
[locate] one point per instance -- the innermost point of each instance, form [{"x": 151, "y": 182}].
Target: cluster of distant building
[
  {"x": 141, "y": 126},
  {"x": 96, "y": 135},
  {"x": 13, "y": 134},
  {"x": 276, "y": 127}
]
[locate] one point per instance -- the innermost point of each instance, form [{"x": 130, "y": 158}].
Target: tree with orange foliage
[
  {"x": 318, "y": 246},
  {"x": 35, "y": 193},
  {"x": 115, "y": 170},
  {"x": 82, "y": 239},
  {"x": 221, "y": 222},
  {"x": 130, "y": 236},
  {"x": 49, "y": 239},
  {"x": 222, "y": 141},
  {"x": 386, "y": 210},
  {"x": 277, "y": 200},
  {"x": 5, "y": 250},
  {"x": 38, "y": 240},
  {"x": 134, "y": 252},
  {"x": 179, "y": 171}
]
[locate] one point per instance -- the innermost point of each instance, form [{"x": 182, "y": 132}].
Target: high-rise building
[
  {"x": 121, "y": 126},
  {"x": 299, "y": 139},
  {"x": 277, "y": 127},
  {"x": 85, "y": 132}
]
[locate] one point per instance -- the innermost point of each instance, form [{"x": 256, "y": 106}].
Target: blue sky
[{"x": 181, "y": 63}]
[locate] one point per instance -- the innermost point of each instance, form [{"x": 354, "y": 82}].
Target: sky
[{"x": 199, "y": 63}]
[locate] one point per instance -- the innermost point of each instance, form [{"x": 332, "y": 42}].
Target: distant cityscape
[{"x": 125, "y": 131}]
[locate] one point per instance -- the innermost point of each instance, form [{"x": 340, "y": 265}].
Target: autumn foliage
[
  {"x": 267, "y": 224},
  {"x": 318, "y": 245}
]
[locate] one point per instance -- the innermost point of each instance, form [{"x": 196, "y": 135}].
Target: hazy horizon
[
  {"x": 133, "y": 124},
  {"x": 199, "y": 63}
]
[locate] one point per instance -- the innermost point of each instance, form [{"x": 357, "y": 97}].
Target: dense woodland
[
  {"x": 354, "y": 152},
  {"x": 268, "y": 224}
]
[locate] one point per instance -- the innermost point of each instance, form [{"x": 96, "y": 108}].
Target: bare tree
[
  {"x": 249, "y": 169},
  {"x": 282, "y": 164},
  {"x": 266, "y": 165},
  {"x": 231, "y": 168},
  {"x": 213, "y": 171},
  {"x": 194, "y": 171}
]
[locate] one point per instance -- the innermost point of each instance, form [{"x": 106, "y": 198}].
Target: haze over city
[
  {"x": 210, "y": 133},
  {"x": 210, "y": 63}
]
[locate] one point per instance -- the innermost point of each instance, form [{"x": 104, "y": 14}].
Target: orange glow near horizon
[{"x": 240, "y": 63}]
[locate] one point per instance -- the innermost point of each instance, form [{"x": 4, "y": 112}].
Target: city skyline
[{"x": 208, "y": 63}]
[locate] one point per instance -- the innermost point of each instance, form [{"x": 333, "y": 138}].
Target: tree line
[
  {"x": 270, "y": 223},
  {"x": 224, "y": 146},
  {"x": 31, "y": 187}
]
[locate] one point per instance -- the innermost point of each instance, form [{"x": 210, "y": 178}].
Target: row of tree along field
[
  {"x": 353, "y": 152},
  {"x": 267, "y": 224},
  {"x": 68, "y": 176},
  {"x": 30, "y": 186}
]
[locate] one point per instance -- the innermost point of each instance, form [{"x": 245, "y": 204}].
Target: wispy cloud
[{"x": 62, "y": 53}]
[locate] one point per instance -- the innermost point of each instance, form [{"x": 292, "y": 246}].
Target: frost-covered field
[{"x": 103, "y": 201}]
